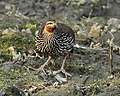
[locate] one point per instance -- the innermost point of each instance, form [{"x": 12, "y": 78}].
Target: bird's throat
[{"x": 49, "y": 29}]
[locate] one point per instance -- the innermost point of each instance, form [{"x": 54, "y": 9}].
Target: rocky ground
[{"x": 95, "y": 65}]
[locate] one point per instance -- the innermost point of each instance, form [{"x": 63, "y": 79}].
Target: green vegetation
[{"x": 89, "y": 66}]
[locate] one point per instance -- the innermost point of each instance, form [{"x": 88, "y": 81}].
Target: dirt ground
[{"x": 95, "y": 65}]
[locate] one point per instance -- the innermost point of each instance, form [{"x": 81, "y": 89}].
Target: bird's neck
[{"x": 49, "y": 29}]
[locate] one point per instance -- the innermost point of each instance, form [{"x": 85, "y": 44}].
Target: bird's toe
[
  {"x": 41, "y": 69},
  {"x": 66, "y": 73},
  {"x": 63, "y": 71}
]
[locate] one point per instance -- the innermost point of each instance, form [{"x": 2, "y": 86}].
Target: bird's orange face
[{"x": 50, "y": 26}]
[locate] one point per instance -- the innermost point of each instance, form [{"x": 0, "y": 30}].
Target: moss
[
  {"x": 15, "y": 76},
  {"x": 94, "y": 89},
  {"x": 30, "y": 26},
  {"x": 21, "y": 41}
]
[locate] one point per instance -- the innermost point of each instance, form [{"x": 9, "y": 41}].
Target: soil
[{"x": 95, "y": 65}]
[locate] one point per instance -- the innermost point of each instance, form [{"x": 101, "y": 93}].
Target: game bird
[{"x": 55, "y": 39}]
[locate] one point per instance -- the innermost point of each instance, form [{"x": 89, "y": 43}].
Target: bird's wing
[{"x": 64, "y": 29}]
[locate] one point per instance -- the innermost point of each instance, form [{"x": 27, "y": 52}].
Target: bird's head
[{"x": 50, "y": 26}]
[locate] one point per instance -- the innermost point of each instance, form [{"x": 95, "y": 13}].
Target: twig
[
  {"x": 47, "y": 13},
  {"x": 89, "y": 48},
  {"x": 86, "y": 79},
  {"x": 111, "y": 53},
  {"x": 89, "y": 14}
]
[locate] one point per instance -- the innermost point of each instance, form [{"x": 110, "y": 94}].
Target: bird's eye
[{"x": 50, "y": 23}]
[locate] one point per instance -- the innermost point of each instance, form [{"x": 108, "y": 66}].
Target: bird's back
[{"x": 59, "y": 43}]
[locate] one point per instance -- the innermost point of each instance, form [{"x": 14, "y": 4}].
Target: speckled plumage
[
  {"x": 58, "y": 42},
  {"x": 55, "y": 39}
]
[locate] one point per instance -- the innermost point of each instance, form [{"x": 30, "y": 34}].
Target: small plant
[
  {"x": 94, "y": 89},
  {"x": 31, "y": 26}
]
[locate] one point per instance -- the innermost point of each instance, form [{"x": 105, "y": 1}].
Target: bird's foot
[
  {"x": 63, "y": 71},
  {"x": 41, "y": 69},
  {"x": 66, "y": 73}
]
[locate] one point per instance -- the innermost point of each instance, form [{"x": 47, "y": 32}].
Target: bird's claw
[
  {"x": 63, "y": 71},
  {"x": 66, "y": 73},
  {"x": 41, "y": 69}
]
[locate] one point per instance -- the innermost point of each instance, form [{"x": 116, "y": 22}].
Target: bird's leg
[
  {"x": 62, "y": 69},
  {"x": 42, "y": 66}
]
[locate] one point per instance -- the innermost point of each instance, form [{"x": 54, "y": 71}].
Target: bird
[{"x": 55, "y": 39}]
